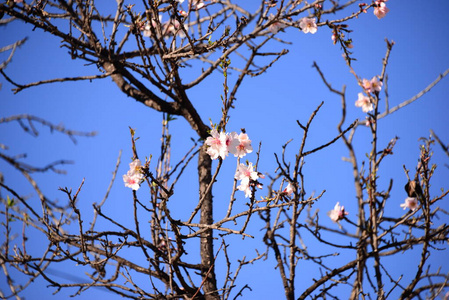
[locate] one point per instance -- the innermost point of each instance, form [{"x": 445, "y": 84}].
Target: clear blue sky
[{"x": 267, "y": 107}]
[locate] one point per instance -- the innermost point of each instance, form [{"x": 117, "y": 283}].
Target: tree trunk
[{"x": 207, "y": 246}]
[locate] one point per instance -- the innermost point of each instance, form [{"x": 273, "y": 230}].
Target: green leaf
[{"x": 9, "y": 201}]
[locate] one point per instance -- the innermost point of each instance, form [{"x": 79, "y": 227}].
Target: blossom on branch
[
  {"x": 338, "y": 213},
  {"x": 244, "y": 145},
  {"x": 410, "y": 203},
  {"x": 364, "y": 102},
  {"x": 149, "y": 25},
  {"x": 288, "y": 189},
  {"x": 308, "y": 25},
  {"x": 247, "y": 177},
  {"x": 373, "y": 85},
  {"x": 174, "y": 27},
  {"x": 134, "y": 176},
  {"x": 380, "y": 9},
  {"x": 221, "y": 144},
  {"x": 275, "y": 26}
]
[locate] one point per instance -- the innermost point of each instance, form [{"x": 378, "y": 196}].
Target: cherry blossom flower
[
  {"x": 173, "y": 27},
  {"x": 364, "y": 102},
  {"x": 308, "y": 25},
  {"x": 132, "y": 180},
  {"x": 380, "y": 10},
  {"x": 338, "y": 213},
  {"x": 366, "y": 84},
  {"x": 376, "y": 85},
  {"x": 215, "y": 145},
  {"x": 135, "y": 166},
  {"x": 134, "y": 175},
  {"x": 373, "y": 85},
  {"x": 220, "y": 144},
  {"x": 244, "y": 145},
  {"x": 246, "y": 171},
  {"x": 369, "y": 121},
  {"x": 288, "y": 189},
  {"x": 231, "y": 140},
  {"x": 245, "y": 187},
  {"x": 275, "y": 26},
  {"x": 18, "y": 1},
  {"x": 153, "y": 24},
  {"x": 410, "y": 203},
  {"x": 334, "y": 38},
  {"x": 246, "y": 174}
]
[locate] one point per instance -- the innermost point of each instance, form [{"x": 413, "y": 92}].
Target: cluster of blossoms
[
  {"x": 170, "y": 28},
  {"x": 370, "y": 86},
  {"x": 221, "y": 144},
  {"x": 173, "y": 26},
  {"x": 134, "y": 176},
  {"x": 308, "y": 25},
  {"x": 380, "y": 8},
  {"x": 248, "y": 178},
  {"x": 338, "y": 213}
]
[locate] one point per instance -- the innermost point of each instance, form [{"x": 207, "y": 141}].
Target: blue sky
[{"x": 267, "y": 107}]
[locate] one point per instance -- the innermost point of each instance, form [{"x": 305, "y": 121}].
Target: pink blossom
[
  {"x": 308, "y": 25},
  {"x": 153, "y": 24},
  {"x": 338, "y": 213},
  {"x": 369, "y": 121},
  {"x": 410, "y": 203},
  {"x": 132, "y": 180},
  {"x": 376, "y": 85},
  {"x": 231, "y": 140},
  {"x": 134, "y": 175},
  {"x": 364, "y": 102},
  {"x": 215, "y": 145},
  {"x": 245, "y": 187},
  {"x": 373, "y": 85},
  {"x": 220, "y": 144},
  {"x": 174, "y": 27},
  {"x": 275, "y": 26},
  {"x": 246, "y": 174},
  {"x": 246, "y": 171},
  {"x": 288, "y": 189},
  {"x": 334, "y": 38},
  {"x": 380, "y": 10},
  {"x": 243, "y": 147},
  {"x": 135, "y": 166}
]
